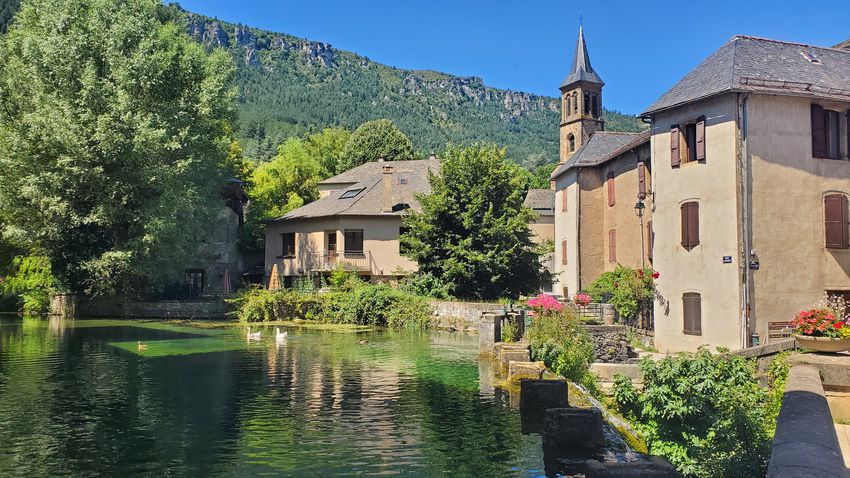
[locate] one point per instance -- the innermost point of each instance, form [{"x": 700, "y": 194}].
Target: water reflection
[{"x": 321, "y": 404}]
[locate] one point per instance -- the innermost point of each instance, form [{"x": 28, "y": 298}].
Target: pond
[{"x": 78, "y": 398}]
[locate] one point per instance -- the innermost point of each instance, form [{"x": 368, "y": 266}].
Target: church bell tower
[{"x": 581, "y": 102}]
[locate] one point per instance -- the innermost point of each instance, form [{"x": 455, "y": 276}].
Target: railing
[{"x": 329, "y": 260}]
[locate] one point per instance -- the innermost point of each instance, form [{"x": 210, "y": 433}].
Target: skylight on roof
[
  {"x": 807, "y": 54},
  {"x": 351, "y": 193}
]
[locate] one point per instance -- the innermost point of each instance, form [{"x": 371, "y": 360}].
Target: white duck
[
  {"x": 255, "y": 335},
  {"x": 280, "y": 336}
]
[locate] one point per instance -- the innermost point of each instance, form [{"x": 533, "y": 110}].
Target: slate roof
[
  {"x": 754, "y": 64},
  {"x": 581, "y": 71},
  {"x": 602, "y": 147},
  {"x": 843, "y": 45},
  {"x": 370, "y": 201},
  {"x": 542, "y": 201}
]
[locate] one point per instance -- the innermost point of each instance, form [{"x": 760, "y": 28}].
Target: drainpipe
[{"x": 745, "y": 223}]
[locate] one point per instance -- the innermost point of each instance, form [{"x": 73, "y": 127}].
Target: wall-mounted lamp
[{"x": 639, "y": 208}]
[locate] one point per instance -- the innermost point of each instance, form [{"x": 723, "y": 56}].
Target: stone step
[
  {"x": 525, "y": 370},
  {"x": 607, "y": 371}
]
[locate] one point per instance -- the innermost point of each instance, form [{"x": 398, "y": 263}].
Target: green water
[{"x": 79, "y": 398}]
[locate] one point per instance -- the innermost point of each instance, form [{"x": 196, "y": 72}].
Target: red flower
[{"x": 656, "y": 275}]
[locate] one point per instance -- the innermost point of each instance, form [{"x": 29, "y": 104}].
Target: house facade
[
  {"x": 354, "y": 225},
  {"x": 600, "y": 179},
  {"x": 751, "y": 182}
]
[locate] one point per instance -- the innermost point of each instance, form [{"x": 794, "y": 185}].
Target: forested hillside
[{"x": 289, "y": 86}]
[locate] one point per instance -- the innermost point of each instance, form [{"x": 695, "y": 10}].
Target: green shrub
[
  {"x": 704, "y": 413},
  {"x": 625, "y": 288},
  {"x": 426, "y": 285},
  {"x": 510, "y": 330},
  {"x": 32, "y": 281},
  {"x": 363, "y": 304},
  {"x": 564, "y": 346}
]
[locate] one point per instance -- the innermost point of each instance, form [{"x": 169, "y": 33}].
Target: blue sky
[{"x": 640, "y": 48}]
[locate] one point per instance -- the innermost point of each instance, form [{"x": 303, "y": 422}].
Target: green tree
[
  {"x": 32, "y": 281},
  {"x": 373, "y": 140},
  {"x": 472, "y": 232},
  {"x": 327, "y": 147},
  {"x": 287, "y": 182},
  {"x": 113, "y": 127}
]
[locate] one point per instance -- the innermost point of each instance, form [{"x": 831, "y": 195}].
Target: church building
[{"x": 603, "y": 195}]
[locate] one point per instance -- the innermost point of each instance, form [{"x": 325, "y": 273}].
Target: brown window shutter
[
  {"x": 848, "y": 134},
  {"x": 836, "y": 221},
  {"x": 700, "y": 155},
  {"x": 690, "y": 225},
  {"x": 564, "y": 200},
  {"x": 675, "y": 159},
  {"x": 818, "y": 132},
  {"x": 642, "y": 179},
  {"x": 564, "y": 251},
  {"x": 650, "y": 240},
  {"x": 611, "y": 191},
  {"x": 692, "y": 313},
  {"x": 612, "y": 245}
]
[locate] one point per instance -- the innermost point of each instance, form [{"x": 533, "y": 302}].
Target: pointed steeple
[{"x": 582, "y": 71}]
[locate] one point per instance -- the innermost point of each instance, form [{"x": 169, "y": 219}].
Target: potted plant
[{"x": 821, "y": 330}]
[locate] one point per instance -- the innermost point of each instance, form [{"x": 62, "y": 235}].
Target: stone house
[
  {"x": 354, "y": 224},
  {"x": 600, "y": 179},
  {"x": 751, "y": 179},
  {"x": 542, "y": 202}
]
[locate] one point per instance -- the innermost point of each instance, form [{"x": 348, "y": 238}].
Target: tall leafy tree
[
  {"x": 373, "y": 140},
  {"x": 472, "y": 231},
  {"x": 113, "y": 129},
  {"x": 327, "y": 146},
  {"x": 287, "y": 182}
]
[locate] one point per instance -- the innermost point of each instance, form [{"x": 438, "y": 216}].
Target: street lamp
[{"x": 639, "y": 208}]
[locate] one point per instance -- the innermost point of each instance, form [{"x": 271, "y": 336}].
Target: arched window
[
  {"x": 572, "y": 139},
  {"x": 593, "y": 105},
  {"x": 587, "y": 103},
  {"x": 575, "y": 102},
  {"x": 569, "y": 106}
]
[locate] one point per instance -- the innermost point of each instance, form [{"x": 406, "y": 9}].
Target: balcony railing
[{"x": 328, "y": 260}]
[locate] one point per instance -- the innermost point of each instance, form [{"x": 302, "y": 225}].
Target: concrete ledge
[
  {"x": 772, "y": 348},
  {"x": 805, "y": 444},
  {"x": 607, "y": 371},
  {"x": 834, "y": 368}
]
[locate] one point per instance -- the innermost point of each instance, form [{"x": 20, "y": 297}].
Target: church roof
[
  {"x": 582, "y": 71},
  {"x": 602, "y": 147},
  {"x": 760, "y": 65}
]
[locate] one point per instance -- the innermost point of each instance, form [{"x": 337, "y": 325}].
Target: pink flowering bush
[
  {"x": 545, "y": 304},
  {"x": 820, "y": 323},
  {"x": 581, "y": 299}
]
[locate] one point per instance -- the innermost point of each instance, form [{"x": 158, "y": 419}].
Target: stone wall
[
  {"x": 610, "y": 343},
  {"x": 116, "y": 307},
  {"x": 461, "y": 315}
]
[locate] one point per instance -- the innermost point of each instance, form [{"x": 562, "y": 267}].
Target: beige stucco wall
[
  {"x": 566, "y": 228},
  {"x": 714, "y": 185},
  {"x": 543, "y": 229},
  {"x": 787, "y": 209},
  {"x": 592, "y": 252},
  {"x": 380, "y": 238}
]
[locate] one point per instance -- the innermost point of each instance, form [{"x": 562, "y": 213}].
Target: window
[
  {"x": 288, "y": 240},
  {"x": 612, "y": 194},
  {"x": 564, "y": 251},
  {"x": 353, "y": 241},
  {"x": 572, "y": 141},
  {"x": 594, "y": 110},
  {"x": 575, "y": 102},
  {"x": 568, "y": 106},
  {"x": 836, "y": 221},
  {"x": 612, "y": 246},
  {"x": 351, "y": 193},
  {"x": 826, "y": 134},
  {"x": 564, "y": 200},
  {"x": 402, "y": 248},
  {"x": 587, "y": 103},
  {"x": 690, "y": 225},
  {"x": 692, "y": 313},
  {"x": 331, "y": 243},
  {"x": 402, "y": 180},
  {"x": 641, "y": 180},
  {"x": 687, "y": 143}
]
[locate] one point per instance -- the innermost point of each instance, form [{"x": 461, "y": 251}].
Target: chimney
[{"x": 388, "y": 189}]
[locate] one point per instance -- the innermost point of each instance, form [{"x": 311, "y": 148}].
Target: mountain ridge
[{"x": 290, "y": 86}]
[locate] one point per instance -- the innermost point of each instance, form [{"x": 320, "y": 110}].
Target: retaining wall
[
  {"x": 461, "y": 315},
  {"x": 114, "y": 307}
]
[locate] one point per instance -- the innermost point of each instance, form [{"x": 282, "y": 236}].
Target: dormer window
[{"x": 351, "y": 193}]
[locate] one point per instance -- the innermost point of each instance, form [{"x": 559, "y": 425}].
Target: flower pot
[{"x": 822, "y": 344}]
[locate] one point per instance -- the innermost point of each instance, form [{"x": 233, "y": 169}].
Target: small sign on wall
[{"x": 727, "y": 259}]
